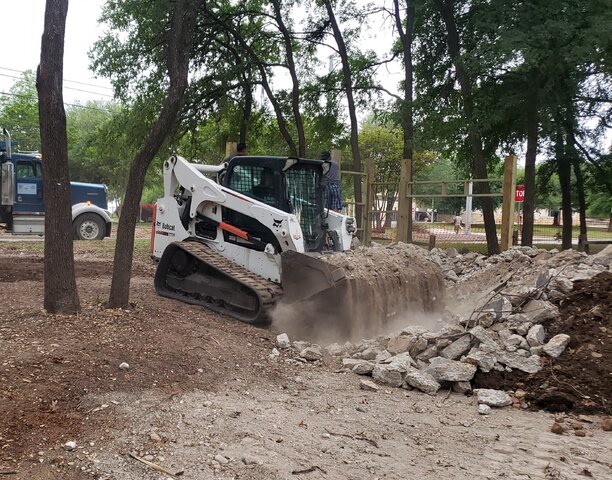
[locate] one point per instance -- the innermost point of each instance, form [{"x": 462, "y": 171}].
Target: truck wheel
[{"x": 89, "y": 226}]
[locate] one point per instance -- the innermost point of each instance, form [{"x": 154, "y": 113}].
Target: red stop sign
[{"x": 519, "y": 193}]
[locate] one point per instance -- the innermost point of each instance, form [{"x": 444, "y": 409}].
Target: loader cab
[{"x": 290, "y": 184}]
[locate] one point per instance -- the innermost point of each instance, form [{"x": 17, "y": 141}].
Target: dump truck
[
  {"x": 251, "y": 234},
  {"x": 22, "y": 206}
]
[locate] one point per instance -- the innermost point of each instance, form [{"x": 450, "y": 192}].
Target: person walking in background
[
  {"x": 333, "y": 194},
  {"x": 457, "y": 221}
]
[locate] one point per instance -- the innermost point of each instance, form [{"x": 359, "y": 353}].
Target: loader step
[{"x": 192, "y": 272}]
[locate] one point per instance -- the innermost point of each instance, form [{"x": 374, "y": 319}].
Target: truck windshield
[{"x": 28, "y": 169}]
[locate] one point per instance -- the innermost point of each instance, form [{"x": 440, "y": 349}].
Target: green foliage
[{"x": 19, "y": 112}]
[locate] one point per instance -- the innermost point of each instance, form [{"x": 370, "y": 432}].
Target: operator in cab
[{"x": 265, "y": 190}]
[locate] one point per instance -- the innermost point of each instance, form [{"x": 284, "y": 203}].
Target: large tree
[
  {"x": 347, "y": 85},
  {"x": 178, "y": 37},
  {"x": 448, "y": 12},
  {"x": 404, "y": 15},
  {"x": 60, "y": 291}
]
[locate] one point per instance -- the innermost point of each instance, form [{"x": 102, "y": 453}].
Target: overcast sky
[{"x": 22, "y": 27}]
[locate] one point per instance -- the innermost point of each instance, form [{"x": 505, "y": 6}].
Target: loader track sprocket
[{"x": 194, "y": 273}]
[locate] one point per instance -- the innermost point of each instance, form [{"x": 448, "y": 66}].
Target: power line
[
  {"x": 65, "y": 79},
  {"x": 64, "y": 86},
  {"x": 76, "y": 105}
]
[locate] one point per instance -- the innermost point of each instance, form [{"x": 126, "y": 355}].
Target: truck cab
[{"x": 22, "y": 207}]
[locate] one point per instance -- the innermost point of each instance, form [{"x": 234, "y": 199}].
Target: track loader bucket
[
  {"x": 357, "y": 294},
  {"x": 304, "y": 275}
]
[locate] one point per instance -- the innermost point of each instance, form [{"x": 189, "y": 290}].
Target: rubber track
[{"x": 268, "y": 292}]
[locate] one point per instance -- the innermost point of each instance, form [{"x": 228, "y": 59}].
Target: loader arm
[{"x": 195, "y": 205}]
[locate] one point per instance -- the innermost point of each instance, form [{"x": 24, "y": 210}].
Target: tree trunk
[
  {"x": 530, "y": 170},
  {"x": 581, "y": 196},
  {"x": 564, "y": 171},
  {"x": 446, "y": 9},
  {"x": 247, "y": 109},
  {"x": 348, "y": 88},
  {"x": 179, "y": 41},
  {"x": 570, "y": 124},
  {"x": 389, "y": 204},
  {"x": 60, "y": 291},
  {"x": 295, "y": 90},
  {"x": 406, "y": 39}
]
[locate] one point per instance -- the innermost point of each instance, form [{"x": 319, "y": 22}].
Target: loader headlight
[{"x": 350, "y": 225}]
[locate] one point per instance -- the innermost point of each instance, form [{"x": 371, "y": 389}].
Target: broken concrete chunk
[
  {"x": 382, "y": 356},
  {"x": 540, "y": 311},
  {"x": 443, "y": 369},
  {"x": 300, "y": 345},
  {"x": 350, "y": 362},
  {"x": 535, "y": 336},
  {"x": 391, "y": 375},
  {"x": 544, "y": 277},
  {"x": 282, "y": 341},
  {"x": 457, "y": 348},
  {"x": 363, "y": 368},
  {"x": 518, "y": 323},
  {"x": 519, "y": 294},
  {"x": 311, "y": 353},
  {"x": 500, "y": 306},
  {"x": 422, "y": 381},
  {"x": 517, "y": 341},
  {"x": 401, "y": 360},
  {"x": 485, "y": 338},
  {"x": 452, "y": 276},
  {"x": 334, "y": 349},
  {"x": 429, "y": 352},
  {"x": 418, "y": 346},
  {"x": 556, "y": 345},
  {"x": 484, "y": 409},
  {"x": 452, "y": 252},
  {"x": 400, "y": 343},
  {"x": 368, "y": 354},
  {"x": 484, "y": 360},
  {"x": 462, "y": 387},
  {"x": 530, "y": 364},
  {"x": 563, "y": 284},
  {"x": 493, "y": 398},
  {"x": 414, "y": 330},
  {"x": 487, "y": 319},
  {"x": 368, "y": 385}
]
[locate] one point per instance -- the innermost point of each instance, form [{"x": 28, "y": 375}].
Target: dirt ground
[{"x": 203, "y": 397}]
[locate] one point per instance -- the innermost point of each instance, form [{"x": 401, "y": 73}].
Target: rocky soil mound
[
  {"x": 578, "y": 380},
  {"x": 509, "y": 321}
]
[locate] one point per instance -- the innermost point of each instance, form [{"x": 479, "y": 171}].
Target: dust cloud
[{"x": 304, "y": 321}]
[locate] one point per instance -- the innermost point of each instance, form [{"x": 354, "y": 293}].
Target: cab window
[{"x": 28, "y": 169}]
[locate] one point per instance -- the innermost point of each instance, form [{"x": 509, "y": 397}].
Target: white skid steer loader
[{"x": 240, "y": 237}]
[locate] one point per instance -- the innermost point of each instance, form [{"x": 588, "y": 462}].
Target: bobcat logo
[{"x": 276, "y": 223}]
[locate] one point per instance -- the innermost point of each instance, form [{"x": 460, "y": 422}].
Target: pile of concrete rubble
[{"x": 511, "y": 299}]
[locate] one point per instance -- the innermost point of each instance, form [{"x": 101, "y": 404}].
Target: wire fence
[{"x": 545, "y": 232}]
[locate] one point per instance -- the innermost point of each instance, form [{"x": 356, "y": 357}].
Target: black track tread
[{"x": 268, "y": 292}]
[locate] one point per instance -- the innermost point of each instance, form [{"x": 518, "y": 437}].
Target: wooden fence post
[
  {"x": 432, "y": 242},
  {"x": 231, "y": 149},
  {"x": 336, "y": 156},
  {"x": 370, "y": 174},
  {"x": 508, "y": 191},
  {"x": 404, "y": 206}
]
